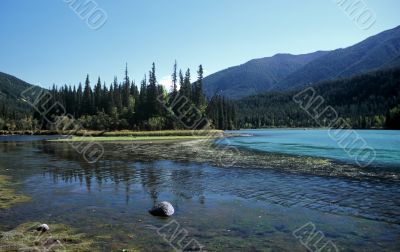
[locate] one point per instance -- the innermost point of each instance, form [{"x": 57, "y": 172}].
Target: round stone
[
  {"x": 163, "y": 209},
  {"x": 43, "y": 228}
]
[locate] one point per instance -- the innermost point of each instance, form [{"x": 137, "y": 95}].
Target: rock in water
[
  {"x": 43, "y": 228},
  {"x": 164, "y": 209}
]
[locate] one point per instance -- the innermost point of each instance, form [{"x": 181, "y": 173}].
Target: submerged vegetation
[
  {"x": 8, "y": 196},
  {"x": 59, "y": 238},
  {"x": 206, "y": 151}
]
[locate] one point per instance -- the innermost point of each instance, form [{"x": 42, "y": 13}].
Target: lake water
[
  {"x": 319, "y": 143},
  {"x": 239, "y": 208}
]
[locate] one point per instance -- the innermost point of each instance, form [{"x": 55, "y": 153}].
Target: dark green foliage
[
  {"x": 221, "y": 113},
  {"x": 15, "y": 113},
  {"x": 365, "y": 101},
  {"x": 119, "y": 106},
  {"x": 393, "y": 117},
  {"x": 197, "y": 89}
]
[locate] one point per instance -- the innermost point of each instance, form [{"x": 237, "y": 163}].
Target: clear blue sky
[{"x": 45, "y": 42}]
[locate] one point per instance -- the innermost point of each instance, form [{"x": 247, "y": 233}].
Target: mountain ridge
[
  {"x": 280, "y": 66},
  {"x": 373, "y": 53}
]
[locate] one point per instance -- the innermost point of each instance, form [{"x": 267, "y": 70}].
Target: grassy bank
[
  {"x": 129, "y": 133},
  {"x": 60, "y": 237},
  {"x": 166, "y": 135},
  {"x": 127, "y": 138}
]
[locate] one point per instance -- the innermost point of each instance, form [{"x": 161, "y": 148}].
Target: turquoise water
[{"x": 319, "y": 143}]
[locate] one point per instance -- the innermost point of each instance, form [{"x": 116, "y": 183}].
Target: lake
[
  {"x": 283, "y": 182},
  {"x": 318, "y": 143}
]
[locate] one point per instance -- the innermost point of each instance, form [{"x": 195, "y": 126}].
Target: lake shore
[
  {"x": 120, "y": 133},
  {"x": 143, "y": 139}
]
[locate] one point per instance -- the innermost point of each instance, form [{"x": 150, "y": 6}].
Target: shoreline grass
[
  {"x": 127, "y": 138},
  {"x": 60, "y": 237},
  {"x": 117, "y": 133}
]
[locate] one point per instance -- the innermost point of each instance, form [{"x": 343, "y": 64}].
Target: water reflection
[
  {"x": 152, "y": 177},
  {"x": 260, "y": 207},
  {"x": 373, "y": 199}
]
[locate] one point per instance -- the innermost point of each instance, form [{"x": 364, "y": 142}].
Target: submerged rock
[
  {"x": 43, "y": 228},
  {"x": 163, "y": 209}
]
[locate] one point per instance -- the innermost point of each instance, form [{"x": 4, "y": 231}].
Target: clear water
[
  {"x": 224, "y": 209},
  {"x": 318, "y": 143}
]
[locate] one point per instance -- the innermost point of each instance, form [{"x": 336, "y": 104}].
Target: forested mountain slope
[
  {"x": 365, "y": 101},
  {"x": 285, "y": 72}
]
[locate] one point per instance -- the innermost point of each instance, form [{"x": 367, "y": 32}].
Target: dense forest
[
  {"x": 125, "y": 105},
  {"x": 366, "y": 101}
]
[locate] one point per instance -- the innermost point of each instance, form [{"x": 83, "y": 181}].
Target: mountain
[
  {"x": 11, "y": 87},
  {"x": 369, "y": 100},
  {"x": 11, "y": 104},
  {"x": 285, "y": 72},
  {"x": 256, "y": 75},
  {"x": 377, "y": 52}
]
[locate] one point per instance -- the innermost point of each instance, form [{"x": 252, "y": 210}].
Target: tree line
[
  {"x": 367, "y": 101},
  {"x": 125, "y": 105}
]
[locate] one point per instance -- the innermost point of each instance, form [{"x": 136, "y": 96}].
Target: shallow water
[
  {"x": 223, "y": 208},
  {"x": 318, "y": 143}
]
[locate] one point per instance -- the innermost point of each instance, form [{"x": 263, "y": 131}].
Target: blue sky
[{"x": 45, "y": 42}]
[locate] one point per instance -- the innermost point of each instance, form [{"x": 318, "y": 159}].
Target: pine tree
[
  {"x": 117, "y": 95},
  {"x": 87, "y": 99},
  {"x": 141, "y": 105},
  {"x": 79, "y": 98},
  {"x": 152, "y": 94},
  {"x": 126, "y": 88},
  {"x": 174, "y": 80},
  {"x": 186, "y": 89},
  {"x": 198, "y": 97},
  {"x": 97, "y": 95}
]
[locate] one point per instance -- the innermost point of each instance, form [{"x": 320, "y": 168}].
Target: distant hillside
[
  {"x": 365, "y": 101},
  {"x": 379, "y": 51},
  {"x": 11, "y": 86},
  {"x": 285, "y": 72},
  {"x": 256, "y": 75},
  {"x": 11, "y": 105}
]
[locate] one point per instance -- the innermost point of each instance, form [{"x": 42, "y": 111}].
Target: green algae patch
[
  {"x": 8, "y": 196},
  {"x": 59, "y": 238}
]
